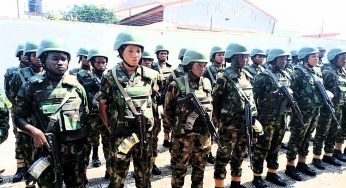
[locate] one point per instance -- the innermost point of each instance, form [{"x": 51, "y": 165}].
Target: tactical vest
[
  {"x": 139, "y": 88},
  {"x": 211, "y": 73},
  {"x": 184, "y": 111},
  {"x": 166, "y": 70},
  {"x": 234, "y": 103},
  {"x": 25, "y": 73},
  {"x": 274, "y": 102},
  {"x": 63, "y": 120},
  {"x": 91, "y": 84},
  {"x": 307, "y": 93},
  {"x": 339, "y": 89},
  {"x": 254, "y": 69}
]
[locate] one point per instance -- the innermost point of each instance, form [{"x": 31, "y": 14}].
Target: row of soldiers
[{"x": 125, "y": 106}]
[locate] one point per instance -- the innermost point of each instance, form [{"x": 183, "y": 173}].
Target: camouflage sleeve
[
  {"x": 4, "y": 122},
  {"x": 170, "y": 104},
  {"x": 219, "y": 90},
  {"x": 297, "y": 81},
  {"x": 105, "y": 94},
  {"x": 15, "y": 84},
  {"x": 261, "y": 86},
  {"x": 329, "y": 80},
  {"x": 84, "y": 98},
  {"x": 24, "y": 103}
]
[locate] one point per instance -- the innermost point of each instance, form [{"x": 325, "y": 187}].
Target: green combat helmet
[
  {"x": 147, "y": 55},
  {"x": 193, "y": 56},
  {"x": 20, "y": 48},
  {"x": 276, "y": 52},
  {"x": 235, "y": 49},
  {"x": 82, "y": 52},
  {"x": 294, "y": 53},
  {"x": 30, "y": 47},
  {"x": 257, "y": 51},
  {"x": 125, "y": 38},
  {"x": 161, "y": 48},
  {"x": 96, "y": 53},
  {"x": 213, "y": 51},
  {"x": 52, "y": 44},
  {"x": 334, "y": 52},
  {"x": 181, "y": 53},
  {"x": 303, "y": 52}
]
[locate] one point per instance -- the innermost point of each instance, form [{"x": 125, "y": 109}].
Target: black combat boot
[
  {"x": 155, "y": 170},
  {"x": 258, "y": 182},
  {"x": 331, "y": 160},
  {"x": 339, "y": 156},
  {"x": 19, "y": 176},
  {"x": 107, "y": 175},
  {"x": 95, "y": 159},
  {"x": 302, "y": 167},
  {"x": 166, "y": 143},
  {"x": 236, "y": 184},
  {"x": 318, "y": 164},
  {"x": 211, "y": 158},
  {"x": 293, "y": 173},
  {"x": 276, "y": 179}
]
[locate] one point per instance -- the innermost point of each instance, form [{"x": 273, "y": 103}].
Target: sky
[{"x": 303, "y": 16}]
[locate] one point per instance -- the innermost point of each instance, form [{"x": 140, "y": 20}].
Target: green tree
[{"x": 90, "y": 13}]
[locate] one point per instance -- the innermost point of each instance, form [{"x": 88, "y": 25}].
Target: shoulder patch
[{"x": 70, "y": 80}]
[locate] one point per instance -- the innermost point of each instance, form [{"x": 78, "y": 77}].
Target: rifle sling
[{"x": 211, "y": 75}]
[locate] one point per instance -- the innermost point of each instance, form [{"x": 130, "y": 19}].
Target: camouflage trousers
[
  {"x": 156, "y": 131},
  {"x": 187, "y": 148},
  {"x": 233, "y": 138},
  {"x": 71, "y": 157},
  {"x": 268, "y": 145},
  {"x": 301, "y": 135},
  {"x": 341, "y": 136},
  {"x": 24, "y": 147},
  {"x": 95, "y": 129},
  {"x": 119, "y": 165},
  {"x": 326, "y": 131}
]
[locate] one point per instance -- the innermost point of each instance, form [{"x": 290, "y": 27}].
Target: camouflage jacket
[
  {"x": 305, "y": 91},
  {"x": 140, "y": 86},
  {"x": 76, "y": 70},
  {"x": 266, "y": 87},
  {"x": 211, "y": 72},
  {"x": 227, "y": 98},
  {"x": 180, "y": 116},
  {"x": 91, "y": 83},
  {"x": 10, "y": 72},
  {"x": 18, "y": 79},
  {"x": 4, "y": 117},
  {"x": 335, "y": 81},
  {"x": 59, "y": 107},
  {"x": 254, "y": 69}
]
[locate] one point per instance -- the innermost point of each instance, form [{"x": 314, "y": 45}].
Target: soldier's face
[
  {"x": 85, "y": 60},
  {"x": 57, "y": 63},
  {"x": 132, "y": 54},
  {"x": 34, "y": 60},
  {"x": 259, "y": 59},
  {"x": 220, "y": 57},
  {"x": 24, "y": 60},
  {"x": 340, "y": 61},
  {"x": 281, "y": 62},
  {"x": 198, "y": 68},
  {"x": 243, "y": 59},
  {"x": 146, "y": 62},
  {"x": 100, "y": 63},
  {"x": 162, "y": 55},
  {"x": 313, "y": 59}
]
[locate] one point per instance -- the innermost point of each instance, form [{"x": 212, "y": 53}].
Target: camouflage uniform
[
  {"x": 229, "y": 108},
  {"x": 211, "y": 73},
  {"x": 188, "y": 144},
  {"x": 42, "y": 93},
  {"x": 271, "y": 113},
  {"x": 254, "y": 69},
  {"x": 4, "y": 119},
  {"x": 309, "y": 102},
  {"x": 91, "y": 83},
  {"x": 142, "y": 87},
  {"x": 10, "y": 72}
]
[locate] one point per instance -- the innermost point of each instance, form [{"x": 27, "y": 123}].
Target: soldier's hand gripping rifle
[
  {"x": 326, "y": 101},
  {"x": 193, "y": 100},
  {"x": 142, "y": 138},
  {"x": 54, "y": 153},
  {"x": 293, "y": 103},
  {"x": 249, "y": 133}
]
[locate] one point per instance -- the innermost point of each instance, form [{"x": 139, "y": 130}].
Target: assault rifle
[
  {"x": 326, "y": 100},
  {"x": 249, "y": 133},
  {"x": 54, "y": 153},
  {"x": 142, "y": 138},
  {"x": 193, "y": 100}
]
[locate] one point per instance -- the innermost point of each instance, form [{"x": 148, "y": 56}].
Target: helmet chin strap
[
  {"x": 129, "y": 65},
  {"x": 309, "y": 65}
]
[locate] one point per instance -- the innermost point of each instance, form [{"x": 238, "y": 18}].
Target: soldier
[
  {"x": 58, "y": 103},
  {"x": 231, "y": 93},
  {"x": 166, "y": 69},
  {"x": 147, "y": 59},
  {"x": 23, "y": 62},
  {"x": 24, "y": 149},
  {"x": 322, "y": 52},
  {"x": 5, "y": 105},
  {"x": 309, "y": 101},
  {"x": 334, "y": 79},
  {"x": 91, "y": 81},
  {"x": 130, "y": 121},
  {"x": 82, "y": 54},
  {"x": 191, "y": 141},
  {"x": 271, "y": 114},
  {"x": 257, "y": 58},
  {"x": 217, "y": 58}
]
